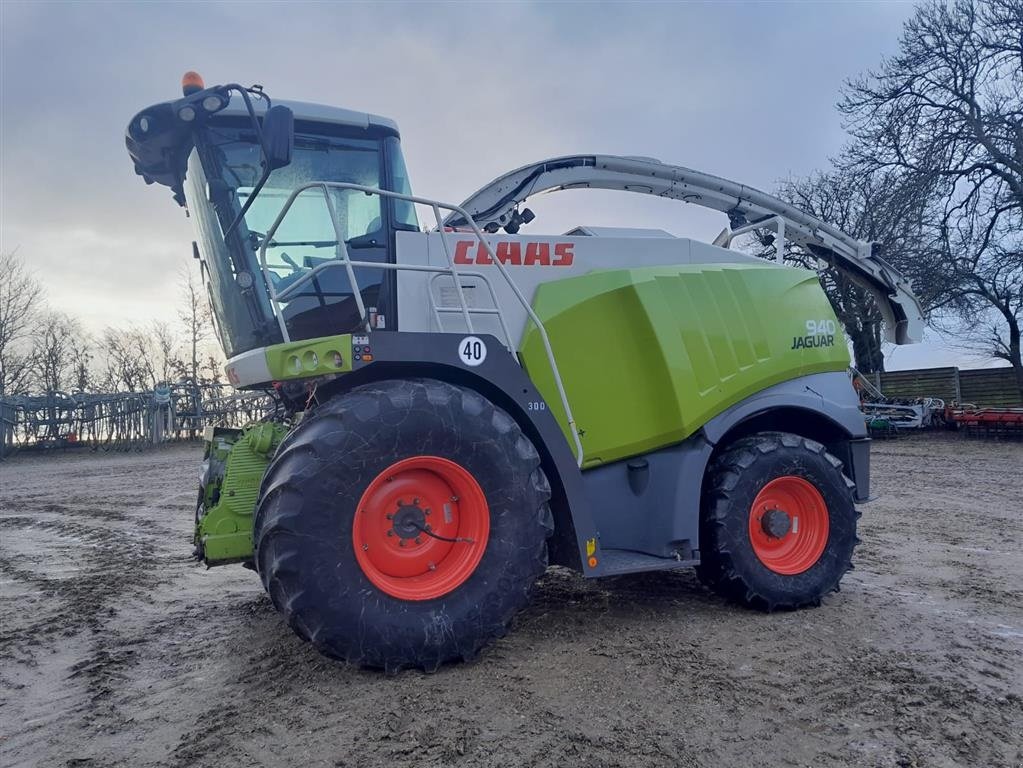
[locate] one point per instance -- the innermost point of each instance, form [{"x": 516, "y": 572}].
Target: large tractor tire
[
  {"x": 403, "y": 524},
  {"x": 778, "y": 523}
]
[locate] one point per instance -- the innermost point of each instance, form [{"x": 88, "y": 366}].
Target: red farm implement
[{"x": 1007, "y": 422}]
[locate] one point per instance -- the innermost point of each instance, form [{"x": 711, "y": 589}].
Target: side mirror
[
  {"x": 278, "y": 141},
  {"x": 278, "y": 136}
]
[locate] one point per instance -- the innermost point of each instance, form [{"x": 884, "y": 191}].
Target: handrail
[
  {"x": 349, "y": 265},
  {"x": 775, "y": 221}
]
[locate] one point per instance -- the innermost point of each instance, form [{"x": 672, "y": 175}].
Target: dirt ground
[{"x": 117, "y": 649}]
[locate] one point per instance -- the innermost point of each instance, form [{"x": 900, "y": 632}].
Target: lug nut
[
  {"x": 431, "y": 566},
  {"x": 426, "y": 512},
  {"x": 365, "y": 547},
  {"x": 389, "y": 516},
  {"x": 390, "y": 532},
  {"x": 418, "y": 540}
]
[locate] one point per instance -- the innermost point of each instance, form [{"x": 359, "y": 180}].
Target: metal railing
[
  {"x": 343, "y": 261},
  {"x": 120, "y": 420},
  {"x": 777, "y": 222}
]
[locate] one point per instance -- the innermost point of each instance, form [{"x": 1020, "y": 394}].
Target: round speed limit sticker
[{"x": 472, "y": 351}]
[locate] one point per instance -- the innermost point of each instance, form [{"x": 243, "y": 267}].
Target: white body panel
[
  {"x": 530, "y": 261},
  {"x": 318, "y": 113},
  {"x": 617, "y": 232},
  {"x": 248, "y": 368}
]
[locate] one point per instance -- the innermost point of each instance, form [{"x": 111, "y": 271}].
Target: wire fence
[{"x": 124, "y": 420}]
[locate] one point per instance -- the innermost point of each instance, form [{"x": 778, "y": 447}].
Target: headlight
[{"x": 212, "y": 103}]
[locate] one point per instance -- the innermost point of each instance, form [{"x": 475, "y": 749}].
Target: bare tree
[
  {"x": 195, "y": 317},
  {"x": 60, "y": 353},
  {"x": 213, "y": 368},
  {"x": 132, "y": 360},
  {"x": 874, "y": 207},
  {"x": 946, "y": 115},
  {"x": 21, "y": 297},
  {"x": 164, "y": 346},
  {"x": 82, "y": 379}
]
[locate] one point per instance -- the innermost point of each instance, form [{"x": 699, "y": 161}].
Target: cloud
[
  {"x": 113, "y": 278},
  {"x": 741, "y": 90}
]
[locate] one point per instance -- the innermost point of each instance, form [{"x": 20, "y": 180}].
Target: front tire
[
  {"x": 778, "y": 522},
  {"x": 403, "y": 524}
]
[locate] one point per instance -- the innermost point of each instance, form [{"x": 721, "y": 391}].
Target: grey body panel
[
  {"x": 829, "y": 394},
  {"x": 658, "y": 514},
  {"x": 643, "y": 521},
  {"x": 821, "y": 394},
  {"x": 618, "y": 561}
]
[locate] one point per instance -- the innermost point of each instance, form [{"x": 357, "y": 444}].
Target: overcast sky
[{"x": 742, "y": 90}]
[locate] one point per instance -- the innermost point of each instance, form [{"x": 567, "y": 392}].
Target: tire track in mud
[
  {"x": 127, "y": 653},
  {"x": 81, "y": 562}
]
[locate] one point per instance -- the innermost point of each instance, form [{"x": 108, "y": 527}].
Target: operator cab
[{"x": 215, "y": 160}]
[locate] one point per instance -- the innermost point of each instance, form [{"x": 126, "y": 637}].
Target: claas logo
[{"x": 515, "y": 253}]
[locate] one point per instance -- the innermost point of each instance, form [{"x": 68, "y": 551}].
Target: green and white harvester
[{"x": 459, "y": 408}]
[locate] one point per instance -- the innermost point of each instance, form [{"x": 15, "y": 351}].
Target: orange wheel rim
[
  {"x": 788, "y": 525},
  {"x": 421, "y": 528}
]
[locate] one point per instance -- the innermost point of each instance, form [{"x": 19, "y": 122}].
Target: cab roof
[
  {"x": 159, "y": 142},
  {"x": 319, "y": 113}
]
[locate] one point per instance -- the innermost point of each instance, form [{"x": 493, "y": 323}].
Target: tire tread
[
  {"x": 719, "y": 569},
  {"x": 326, "y": 431}
]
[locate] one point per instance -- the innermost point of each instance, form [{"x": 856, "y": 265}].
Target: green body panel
[
  {"x": 313, "y": 357},
  {"x": 235, "y": 461},
  {"x": 649, "y": 355}
]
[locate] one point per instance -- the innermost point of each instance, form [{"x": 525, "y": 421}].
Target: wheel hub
[
  {"x": 776, "y": 523},
  {"x": 409, "y": 521},
  {"x": 400, "y": 552},
  {"x": 789, "y": 525}
]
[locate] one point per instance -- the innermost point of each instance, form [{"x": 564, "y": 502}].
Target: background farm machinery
[
  {"x": 123, "y": 419},
  {"x": 887, "y": 415}
]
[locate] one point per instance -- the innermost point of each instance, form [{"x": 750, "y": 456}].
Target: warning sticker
[{"x": 472, "y": 351}]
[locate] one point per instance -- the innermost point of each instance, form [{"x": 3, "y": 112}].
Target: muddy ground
[{"x": 117, "y": 649}]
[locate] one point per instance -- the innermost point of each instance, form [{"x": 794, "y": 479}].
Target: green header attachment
[{"x": 234, "y": 464}]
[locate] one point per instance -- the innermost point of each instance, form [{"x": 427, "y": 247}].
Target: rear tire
[
  {"x": 778, "y": 522},
  {"x": 351, "y": 577}
]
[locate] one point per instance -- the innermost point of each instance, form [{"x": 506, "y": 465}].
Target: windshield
[
  {"x": 306, "y": 236},
  {"x": 307, "y": 229}
]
